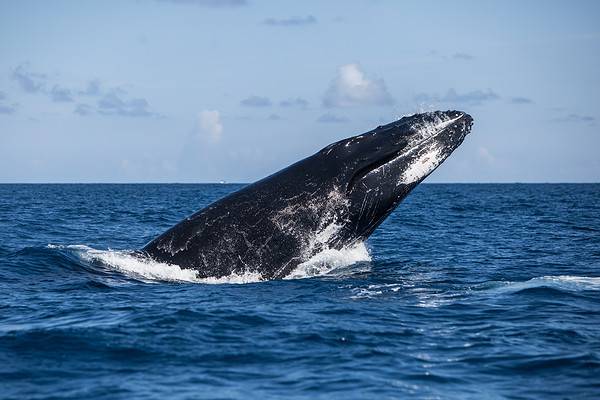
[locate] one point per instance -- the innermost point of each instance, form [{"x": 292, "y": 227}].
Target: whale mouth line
[{"x": 375, "y": 165}]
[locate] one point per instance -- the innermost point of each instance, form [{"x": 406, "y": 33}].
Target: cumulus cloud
[
  {"x": 29, "y": 81},
  {"x": 256, "y": 101},
  {"x": 351, "y": 87},
  {"x": 292, "y": 21},
  {"x": 329, "y": 118},
  {"x": 209, "y": 3},
  {"x": 520, "y": 100},
  {"x": 209, "y": 124},
  {"x": 476, "y": 97},
  {"x": 297, "y": 102}
]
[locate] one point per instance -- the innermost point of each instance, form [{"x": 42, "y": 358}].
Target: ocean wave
[
  {"x": 568, "y": 283},
  {"x": 426, "y": 296}
]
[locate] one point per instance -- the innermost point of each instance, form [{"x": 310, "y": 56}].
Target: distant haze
[{"x": 233, "y": 90}]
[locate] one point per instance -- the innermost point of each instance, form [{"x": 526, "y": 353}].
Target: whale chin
[{"x": 331, "y": 199}]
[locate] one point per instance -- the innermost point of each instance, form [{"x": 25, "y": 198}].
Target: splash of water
[
  {"x": 140, "y": 267},
  {"x": 131, "y": 264},
  {"x": 328, "y": 260}
]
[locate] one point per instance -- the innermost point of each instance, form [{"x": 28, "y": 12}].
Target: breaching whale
[{"x": 332, "y": 199}]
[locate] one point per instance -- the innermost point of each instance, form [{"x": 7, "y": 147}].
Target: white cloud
[
  {"x": 351, "y": 87},
  {"x": 209, "y": 122}
]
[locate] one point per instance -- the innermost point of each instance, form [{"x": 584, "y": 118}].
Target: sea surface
[{"x": 483, "y": 291}]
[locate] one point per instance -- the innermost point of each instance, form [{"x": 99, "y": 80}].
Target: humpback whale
[{"x": 330, "y": 200}]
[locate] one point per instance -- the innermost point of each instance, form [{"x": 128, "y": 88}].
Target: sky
[{"x": 233, "y": 90}]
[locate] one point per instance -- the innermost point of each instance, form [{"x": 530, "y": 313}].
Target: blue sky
[{"x": 210, "y": 90}]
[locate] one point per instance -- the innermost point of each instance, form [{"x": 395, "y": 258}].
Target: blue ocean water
[{"x": 470, "y": 292}]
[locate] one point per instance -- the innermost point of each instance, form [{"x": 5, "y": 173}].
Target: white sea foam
[
  {"x": 132, "y": 265},
  {"x": 328, "y": 260},
  {"x": 246, "y": 277},
  {"x": 327, "y": 233},
  {"x": 418, "y": 295},
  {"x": 374, "y": 290},
  {"x": 139, "y": 267}
]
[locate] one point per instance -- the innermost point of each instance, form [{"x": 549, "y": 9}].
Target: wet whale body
[{"x": 330, "y": 200}]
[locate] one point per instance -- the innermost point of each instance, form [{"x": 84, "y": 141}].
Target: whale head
[{"x": 378, "y": 169}]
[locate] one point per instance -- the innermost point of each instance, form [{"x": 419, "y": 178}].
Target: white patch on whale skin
[{"x": 422, "y": 166}]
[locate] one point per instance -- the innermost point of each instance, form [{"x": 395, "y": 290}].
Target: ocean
[{"x": 467, "y": 291}]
